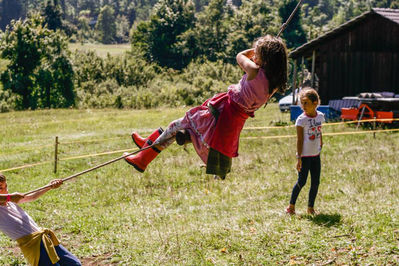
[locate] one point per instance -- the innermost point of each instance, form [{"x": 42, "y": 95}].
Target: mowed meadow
[
  {"x": 176, "y": 214},
  {"x": 100, "y": 49}
]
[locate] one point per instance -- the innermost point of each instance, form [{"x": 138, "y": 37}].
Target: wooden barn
[{"x": 361, "y": 55}]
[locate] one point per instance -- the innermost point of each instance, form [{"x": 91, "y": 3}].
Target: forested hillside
[
  {"x": 83, "y": 18},
  {"x": 182, "y": 51}
]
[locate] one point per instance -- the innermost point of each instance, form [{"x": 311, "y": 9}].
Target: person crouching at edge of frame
[
  {"x": 214, "y": 127},
  {"x": 39, "y": 246},
  {"x": 309, "y": 144}
]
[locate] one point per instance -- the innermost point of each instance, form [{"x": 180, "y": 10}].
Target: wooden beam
[
  {"x": 294, "y": 84},
  {"x": 303, "y": 70},
  {"x": 313, "y": 65}
]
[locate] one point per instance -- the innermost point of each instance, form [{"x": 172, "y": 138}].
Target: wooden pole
[
  {"x": 56, "y": 155},
  {"x": 294, "y": 84},
  {"x": 313, "y": 66},
  {"x": 303, "y": 70}
]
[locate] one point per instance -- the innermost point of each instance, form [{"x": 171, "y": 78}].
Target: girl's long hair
[{"x": 272, "y": 52}]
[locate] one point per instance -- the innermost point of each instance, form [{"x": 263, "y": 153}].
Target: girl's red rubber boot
[
  {"x": 142, "y": 159},
  {"x": 140, "y": 141}
]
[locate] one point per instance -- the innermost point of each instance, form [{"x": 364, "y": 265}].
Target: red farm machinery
[{"x": 369, "y": 106}]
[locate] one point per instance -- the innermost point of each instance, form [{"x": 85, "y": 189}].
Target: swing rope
[
  {"x": 91, "y": 169},
  {"x": 282, "y": 28},
  {"x": 289, "y": 19}
]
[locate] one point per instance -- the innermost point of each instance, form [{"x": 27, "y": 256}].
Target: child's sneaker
[
  {"x": 290, "y": 211},
  {"x": 311, "y": 211}
]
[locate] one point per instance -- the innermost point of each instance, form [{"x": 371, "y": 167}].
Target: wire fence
[
  {"x": 72, "y": 142},
  {"x": 57, "y": 142},
  {"x": 325, "y": 134}
]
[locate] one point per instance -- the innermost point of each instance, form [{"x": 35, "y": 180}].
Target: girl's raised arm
[{"x": 246, "y": 59}]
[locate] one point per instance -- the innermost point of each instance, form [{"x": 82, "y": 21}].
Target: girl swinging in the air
[{"x": 214, "y": 127}]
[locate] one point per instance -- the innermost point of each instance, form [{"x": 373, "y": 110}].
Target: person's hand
[
  {"x": 251, "y": 54},
  {"x": 56, "y": 183},
  {"x": 16, "y": 197},
  {"x": 299, "y": 164}
]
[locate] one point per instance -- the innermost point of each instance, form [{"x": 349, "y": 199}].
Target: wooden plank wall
[{"x": 363, "y": 58}]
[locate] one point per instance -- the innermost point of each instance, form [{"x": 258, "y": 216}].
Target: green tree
[
  {"x": 212, "y": 30},
  {"x": 52, "y": 15},
  {"x": 315, "y": 23},
  {"x": 84, "y": 31},
  {"x": 159, "y": 37},
  {"x": 345, "y": 12},
  {"x": 106, "y": 26},
  {"x": 252, "y": 20},
  {"x": 39, "y": 69},
  {"x": 327, "y": 8},
  {"x": 394, "y": 4},
  {"x": 294, "y": 34},
  {"x": 93, "y": 5},
  {"x": 122, "y": 29}
]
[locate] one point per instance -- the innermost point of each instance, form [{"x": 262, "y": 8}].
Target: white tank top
[{"x": 15, "y": 222}]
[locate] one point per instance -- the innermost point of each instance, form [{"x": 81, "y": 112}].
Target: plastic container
[{"x": 329, "y": 113}]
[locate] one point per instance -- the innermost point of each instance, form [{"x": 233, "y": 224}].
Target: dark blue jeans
[
  {"x": 313, "y": 165},
  {"x": 66, "y": 258}
]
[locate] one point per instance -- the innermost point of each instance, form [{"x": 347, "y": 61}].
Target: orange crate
[
  {"x": 349, "y": 113},
  {"x": 384, "y": 115}
]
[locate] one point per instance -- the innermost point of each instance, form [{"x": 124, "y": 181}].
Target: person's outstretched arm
[
  {"x": 31, "y": 197},
  {"x": 246, "y": 60},
  {"x": 15, "y": 197}
]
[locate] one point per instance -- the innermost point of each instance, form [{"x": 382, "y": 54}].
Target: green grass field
[
  {"x": 101, "y": 49},
  {"x": 176, "y": 214}
]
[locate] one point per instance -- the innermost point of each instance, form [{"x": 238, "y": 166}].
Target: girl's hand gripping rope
[{"x": 56, "y": 183}]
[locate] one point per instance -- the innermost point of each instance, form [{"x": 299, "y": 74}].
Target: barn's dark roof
[{"x": 391, "y": 14}]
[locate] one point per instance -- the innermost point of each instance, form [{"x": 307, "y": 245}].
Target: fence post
[
  {"x": 56, "y": 154},
  {"x": 374, "y": 126}
]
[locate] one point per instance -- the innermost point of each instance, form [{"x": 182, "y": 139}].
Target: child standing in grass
[
  {"x": 309, "y": 144},
  {"x": 214, "y": 127}
]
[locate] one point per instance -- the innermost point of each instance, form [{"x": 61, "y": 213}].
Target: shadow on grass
[{"x": 324, "y": 219}]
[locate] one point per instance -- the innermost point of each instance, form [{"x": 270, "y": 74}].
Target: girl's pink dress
[{"x": 247, "y": 95}]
